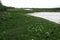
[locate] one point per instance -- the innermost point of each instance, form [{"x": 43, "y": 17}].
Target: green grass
[{"x": 15, "y": 25}]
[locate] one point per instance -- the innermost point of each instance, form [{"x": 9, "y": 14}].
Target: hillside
[{"x": 15, "y": 25}]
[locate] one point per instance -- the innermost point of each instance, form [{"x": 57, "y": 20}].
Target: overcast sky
[{"x": 32, "y": 3}]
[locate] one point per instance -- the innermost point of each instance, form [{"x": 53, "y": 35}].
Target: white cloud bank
[{"x": 32, "y": 3}]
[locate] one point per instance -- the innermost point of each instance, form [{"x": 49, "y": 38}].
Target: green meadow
[{"x": 16, "y": 25}]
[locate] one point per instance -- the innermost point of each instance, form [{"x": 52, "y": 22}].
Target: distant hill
[{"x": 4, "y": 8}]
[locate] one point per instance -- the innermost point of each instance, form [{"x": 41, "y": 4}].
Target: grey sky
[{"x": 32, "y": 3}]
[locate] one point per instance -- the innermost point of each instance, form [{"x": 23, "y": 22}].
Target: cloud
[{"x": 32, "y": 3}]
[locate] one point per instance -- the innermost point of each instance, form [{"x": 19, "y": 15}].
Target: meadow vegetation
[{"x": 16, "y": 25}]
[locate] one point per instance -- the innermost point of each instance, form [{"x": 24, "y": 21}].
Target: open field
[{"x": 15, "y": 25}]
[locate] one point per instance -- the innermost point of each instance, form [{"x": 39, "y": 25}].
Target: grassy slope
[{"x": 17, "y": 26}]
